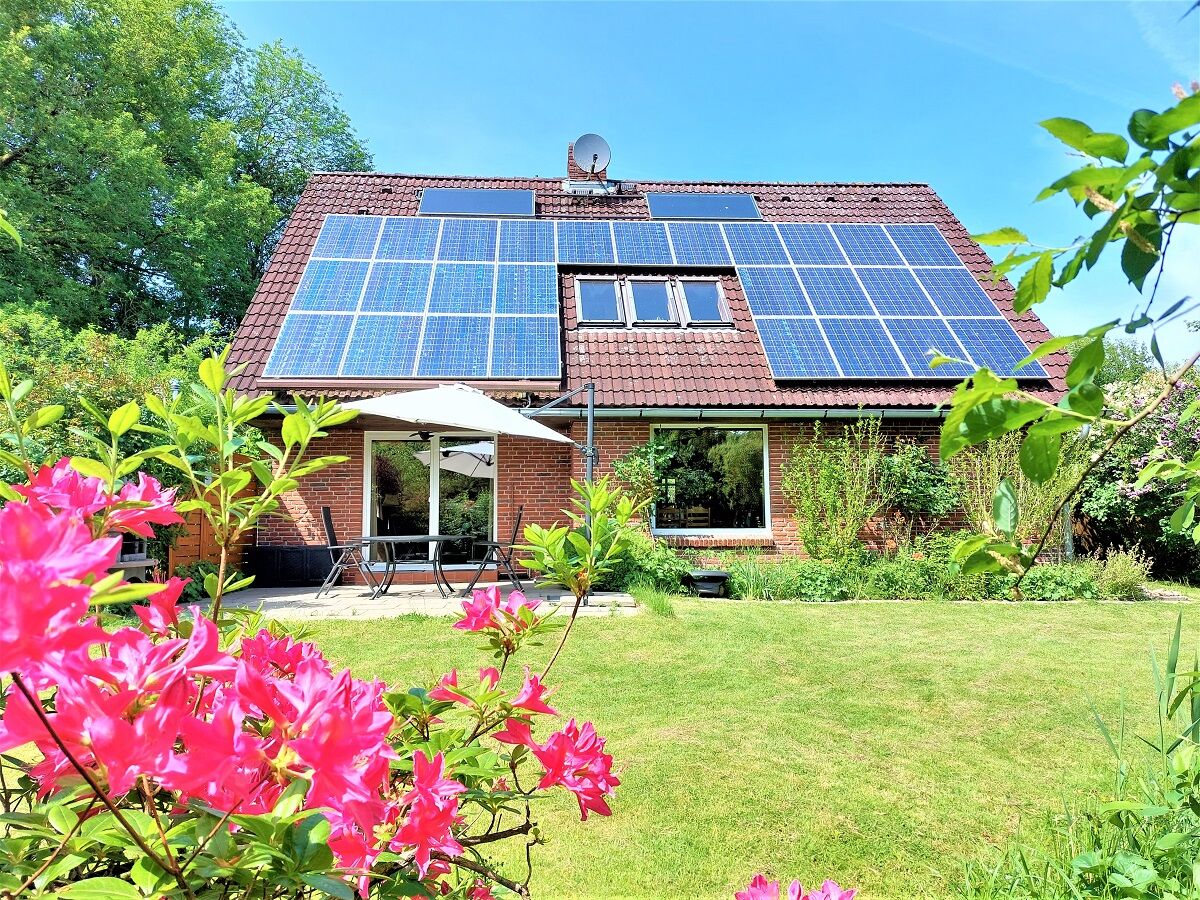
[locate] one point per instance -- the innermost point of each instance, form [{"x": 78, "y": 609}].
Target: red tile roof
[{"x": 640, "y": 367}]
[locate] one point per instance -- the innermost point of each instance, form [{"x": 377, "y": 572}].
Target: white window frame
[
  {"x": 435, "y": 492},
  {"x": 676, "y": 302},
  {"x": 722, "y": 303},
  {"x": 621, "y": 321},
  {"x": 765, "y": 531},
  {"x": 673, "y": 308}
]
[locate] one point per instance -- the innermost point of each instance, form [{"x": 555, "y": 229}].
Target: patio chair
[
  {"x": 499, "y": 554},
  {"x": 344, "y": 556}
]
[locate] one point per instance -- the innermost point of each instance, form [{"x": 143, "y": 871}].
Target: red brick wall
[
  {"x": 536, "y": 474},
  {"x": 339, "y": 487}
]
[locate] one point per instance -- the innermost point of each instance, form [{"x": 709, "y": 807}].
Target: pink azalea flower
[
  {"x": 480, "y": 891},
  {"x": 517, "y": 599},
  {"x": 162, "y": 615},
  {"x": 830, "y": 890},
  {"x": 480, "y": 611},
  {"x": 446, "y": 689},
  {"x": 62, "y": 488},
  {"x": 151, "y": 505},
  {"x": 432, "y": 812},
  {"x": 530, "y": 696},
  {"x": 574, "y": 757},
  {"x": 46, "y": 558},
  {"x": 760, "y": 889},
  {"x": 516, "y": 731},
  {"x": 489, "y": 676},
  {"x": 280, "y": 655}
]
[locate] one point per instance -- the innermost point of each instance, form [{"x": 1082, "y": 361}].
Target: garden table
[{"x": 391, "y": 543}]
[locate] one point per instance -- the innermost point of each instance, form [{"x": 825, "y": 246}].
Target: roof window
[{"x": 650, "y": 302}]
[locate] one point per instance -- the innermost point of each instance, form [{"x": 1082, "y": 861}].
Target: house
[{"x": 722, "y": 317}]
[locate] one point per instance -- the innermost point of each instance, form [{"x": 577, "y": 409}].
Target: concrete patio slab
[{"x": 355, "y": 602}]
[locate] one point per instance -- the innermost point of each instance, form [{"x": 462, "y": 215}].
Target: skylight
[
  {"x": 476, "y": 202},
  {"x": 702, "y": 206}
]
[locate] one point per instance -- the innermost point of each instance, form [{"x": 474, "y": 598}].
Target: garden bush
[
  {"x": 215, "y": 755},
  {"x": 788, "y": 578},
  {"x": 1077, "y": 580},
  {"x": 1123, "y": 575},
  {"x": 647, "y": 562}
]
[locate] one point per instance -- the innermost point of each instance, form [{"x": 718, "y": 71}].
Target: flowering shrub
[{"x": 216, "y": 755}]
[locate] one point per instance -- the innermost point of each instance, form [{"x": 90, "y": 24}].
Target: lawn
[{"x": 878, "y": 744}]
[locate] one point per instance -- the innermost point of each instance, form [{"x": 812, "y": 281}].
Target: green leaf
[
  {"x": 1086, "y": 399},
  {"x": 123, "y": 418},
  {"x": 89, "y": 467},
  {"x": 101, "y": 889},
  {"x": 1077, "y": 135},
  {"x": 1034, "y": 285},
  {"x": 1086, "y": 362},
  {"x": 1004, "y": 507},
  {"x": 1039, "y": 455},
  {"x": 1184, "y": 114},
  {"x": 212, "y": 374},
  {"x": 1141, "y": 126},
  {"x": 7, "y": 227},
  {"x": 1000, "y": 237},
  {"x": 331, "y": 886}
]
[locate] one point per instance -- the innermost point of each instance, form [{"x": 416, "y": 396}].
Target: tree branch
[
  {"x": 480, "y": 869},
  {"x": 1122, "y": 429},
  {"x": 524, "y": 828}
]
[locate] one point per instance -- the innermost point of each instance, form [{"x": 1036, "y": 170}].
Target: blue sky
[{"x": 946, "y": 93}]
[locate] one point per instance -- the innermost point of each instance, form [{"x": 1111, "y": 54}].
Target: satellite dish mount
[{"x": 592, "y": 153}]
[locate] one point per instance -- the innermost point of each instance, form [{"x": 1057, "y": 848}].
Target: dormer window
[{"x": 643, "y": 301}]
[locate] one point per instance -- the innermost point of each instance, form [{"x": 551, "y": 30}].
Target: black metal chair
[
  {"x": 499, "y": 554},
  {"x": 344, "y": 556}
]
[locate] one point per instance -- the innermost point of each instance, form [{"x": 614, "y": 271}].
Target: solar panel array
[{"x": 396, "y": 297}]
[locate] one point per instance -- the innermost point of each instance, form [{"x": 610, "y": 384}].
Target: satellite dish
[{"x": 592, "y": 153}]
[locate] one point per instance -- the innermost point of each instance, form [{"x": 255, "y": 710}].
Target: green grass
[
  {"x": 1190, "y": 591},
  {"x": 877, "y": 744}
]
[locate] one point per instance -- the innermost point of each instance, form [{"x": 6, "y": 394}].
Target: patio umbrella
[
  {"x": 455, "y": 407},
  {"x": 478, "y": 460}
]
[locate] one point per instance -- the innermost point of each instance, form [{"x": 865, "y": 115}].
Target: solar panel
[
  {"x": 397, "y": 287},
  {"x": 330, "y": 286},
  {"x": 525, "y": 347},
  {"x": 923, "y": 245},
  {"x": 414, "y": 239},
  {"x": 867, "y": 245},
  {"x": 895, "y": 292},
  {"x": 795, "y": 348},
  {"x": 955, "y": 292},
  {"x": 308, "y": 345},
  {"x": 382, "y": 346},
  {"x": 917, "y": 337},
  {"x": 476, "y": 201},
  {"x": 811, "y": 245},
  {"x": 863, "y": 348},
  {"x": 462, "y": 288},
  {"x": 773, "y": 292},
  {"x": 642, "y": 244},
  {"x": 698, "y": 244},
  {"x": 834, "y": 292},
  {"x": 993, "y": 343},
  {"x": 348, "y": 237},
  {"x": 531, "y": 290},
  {"x": 585, "y": 242},
  {"x": 755, "y": 244},
  {"x": 455, "y": 345},
  {"x": 526, "y": 241},
  {"x": 701, "y": 206},
  {"x": 469, "y": 240},
  {"x": 394, "y": 296}
]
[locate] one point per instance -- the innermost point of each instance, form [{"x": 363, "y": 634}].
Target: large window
[
  {"x": 710, "y": 479},
  {"x": 640, "y": 300}
]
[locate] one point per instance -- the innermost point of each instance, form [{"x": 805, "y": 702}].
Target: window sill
[{"x": 703, "y": 539}]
